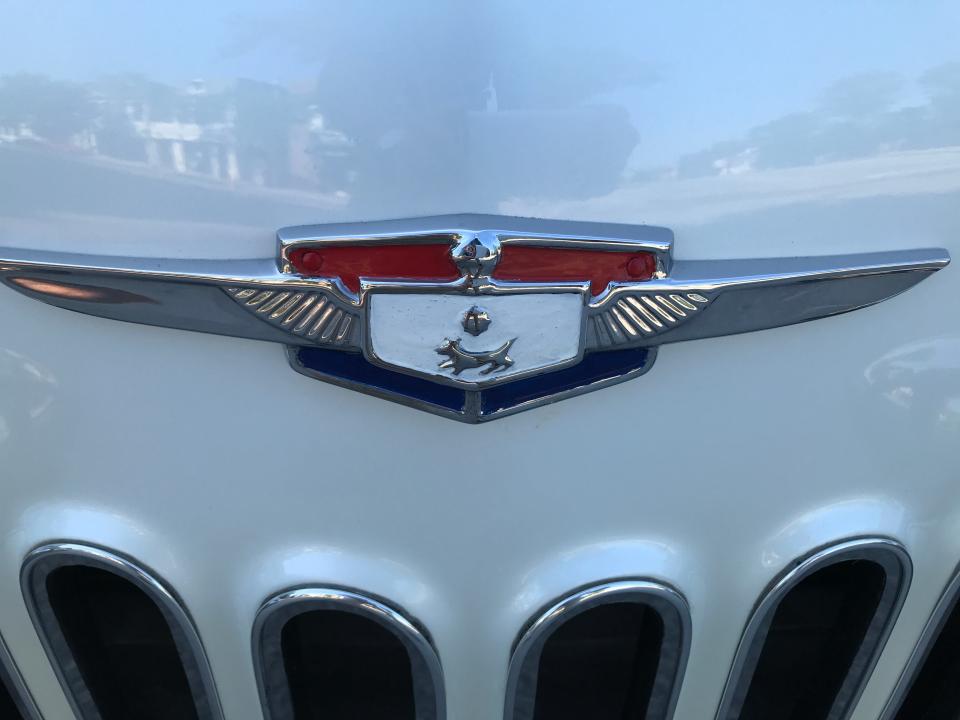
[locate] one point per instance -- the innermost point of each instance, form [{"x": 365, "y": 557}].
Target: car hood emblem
[{"x": 472, "y": 317}]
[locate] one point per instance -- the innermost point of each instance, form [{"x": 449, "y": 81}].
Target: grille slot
[
  {"x": 335, "y": 653},
  {"x": 611, "y": 652},
  {"x": 929, "y": 688},
  {"x": 600, "y": 664},
  {"x": 341, "y": 665},
  {"x": 814, "y": 638},
  {"x": 120, "y": 642}
]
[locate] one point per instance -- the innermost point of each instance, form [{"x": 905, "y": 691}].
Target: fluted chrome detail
[
  {"x": 312, "y": 316},
  {"x": 321, "y": 322},
  {"x": 659, "y": 310},
  {"x": 314, "y": 311},
  {"x": 272, "y": 303},
  {"x": 642, "y": 309},
  {"x": 636, "y": 316},
  {"x": 344, "y": 328},
  {"x": 331, "y": 326},
  {"x": 260, "y": 297},
  {"x": 285, "y": 307},
  {"x": 299, "y": 310},
  {"x": 624, "y": 323},
  {"x": 670, "y": 306},
  {"x": 613, "y": 328}
]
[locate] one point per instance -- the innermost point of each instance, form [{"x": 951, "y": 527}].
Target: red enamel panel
[
  {"x": 546, "y": 264},
  {"x": 400, "y": 262}
]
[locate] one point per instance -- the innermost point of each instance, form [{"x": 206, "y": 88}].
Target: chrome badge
[{"x": 472, "y": 317}]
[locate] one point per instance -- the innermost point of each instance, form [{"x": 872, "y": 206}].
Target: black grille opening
[
  {"x": 816, "y": 632},
  {"x": 600, "y": 664},
  {"x": 121, "y": 644},
  {"x": 935, "y": 691},
  {"x": 343, "y": 665}
]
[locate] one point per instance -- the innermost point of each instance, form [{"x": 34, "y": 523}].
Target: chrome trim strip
[
  {"x": 428, "y": 684},
  {"x": 43, "y": 560},
  {"x": 887, "y": 553},
  {"x": 13, "y": 682},
  {"x": 931, "y": 633},
  {"x": 519, "y": 230},
  {"x": 667, "y": 602}
]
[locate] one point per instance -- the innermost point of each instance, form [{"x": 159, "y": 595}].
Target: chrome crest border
[
  {"x": 43, "y": 560},
  {"x": 490, "y": 288},
  {"x": 667, "y": 602},
  {"x": 887, "y": 553},
  {"x": 428, "y": 684},
  {"x": 931, "y": 633},
  {"x": 13, "y": 681}
]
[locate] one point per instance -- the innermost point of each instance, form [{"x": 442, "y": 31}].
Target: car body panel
[{"x": 754, "y": 131}]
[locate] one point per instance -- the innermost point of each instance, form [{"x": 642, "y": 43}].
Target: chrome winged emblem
[{"x": 472, "y": 317}]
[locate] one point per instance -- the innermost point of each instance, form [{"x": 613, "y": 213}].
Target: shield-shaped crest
[{"x": 478, "y": 311}]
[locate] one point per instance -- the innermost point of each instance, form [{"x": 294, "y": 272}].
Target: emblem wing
[
  {"x": 240, "y": 298},
  {"x": 631, "y": 317},
  {"x": 310, "y": 316},
  {"x": 708, "y": 298}
]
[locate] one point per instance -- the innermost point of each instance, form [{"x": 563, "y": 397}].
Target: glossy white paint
[
  {"x": 751, "y": 131},
  {"x": 543, "y": 330}
]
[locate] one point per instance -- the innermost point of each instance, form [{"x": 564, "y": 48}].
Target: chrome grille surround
[
  {"x": 667, "y": 602},
  {"x": 275, "y": 697},
  {"x": 887, "y": 553},
  {"x": 45, "y": 559}
]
